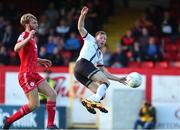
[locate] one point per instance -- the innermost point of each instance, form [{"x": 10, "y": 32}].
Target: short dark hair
[{"x": 100, "y": 32}]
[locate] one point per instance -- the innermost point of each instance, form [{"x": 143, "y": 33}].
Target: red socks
[
  {"x": 24, "y": 110},
  {"x": 51, "y": 109}
]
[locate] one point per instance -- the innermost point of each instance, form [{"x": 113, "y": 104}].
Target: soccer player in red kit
[{"x": 30, "y": 81}]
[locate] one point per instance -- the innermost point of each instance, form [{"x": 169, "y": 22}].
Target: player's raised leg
[
  {"x": 93, "y": 86},
  {"x": 33, "y": 103},
  {"x": 86, "y": 82},
  {"x": 87, "y": 102},
  {"x": 45, "y": 89},
  {"x": 100, "y": 78}
]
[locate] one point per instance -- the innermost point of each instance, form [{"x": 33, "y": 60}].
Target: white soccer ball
[{"x": 134, "y": 80}]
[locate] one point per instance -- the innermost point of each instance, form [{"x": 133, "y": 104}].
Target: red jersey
[{"x": 28, "y": 54}]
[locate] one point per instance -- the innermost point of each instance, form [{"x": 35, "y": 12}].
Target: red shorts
[{"x": 30, "y": 80}]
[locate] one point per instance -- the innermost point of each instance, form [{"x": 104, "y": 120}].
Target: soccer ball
[{"x": 134, "y": 80}]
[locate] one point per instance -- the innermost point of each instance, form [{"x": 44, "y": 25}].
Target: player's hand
[
  {"x": 31, "y": 34},
  {"x": 45, "y": 62},
  {"x": 84, "y": 10},
  {"x": 123, "y": 80}
]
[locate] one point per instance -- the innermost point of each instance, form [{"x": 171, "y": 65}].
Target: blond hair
[{"x": 25, "y": 19}]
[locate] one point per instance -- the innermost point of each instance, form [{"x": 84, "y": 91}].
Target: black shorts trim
[
  {"x": 88, "y": 83},
  {"x": 84, "y": 70},
  {"x": 92, "y": 73},
  {"x": 82, "y": 79}
]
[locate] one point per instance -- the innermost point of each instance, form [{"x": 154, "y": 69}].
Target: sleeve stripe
[{"x": 85, "y": 35}]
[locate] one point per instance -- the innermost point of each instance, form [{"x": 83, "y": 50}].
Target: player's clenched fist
[{"x": 84, "y": 10}]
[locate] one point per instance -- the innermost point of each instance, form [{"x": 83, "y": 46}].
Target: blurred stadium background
[{"x": 143, "y": 36}]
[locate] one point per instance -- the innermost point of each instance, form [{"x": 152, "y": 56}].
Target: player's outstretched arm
[
  {"x": 113, "y": 77},
  {"x": 21, "y": 44},
  {"x": 81, "y": 20}
]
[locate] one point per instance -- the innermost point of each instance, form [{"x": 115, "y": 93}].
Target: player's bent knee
[
  {"x": 52, "y": 96},
  {"x": 33, "y": 106},
  {"x": 106, "y": 82}
]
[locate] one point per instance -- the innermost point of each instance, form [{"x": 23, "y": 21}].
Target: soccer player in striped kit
[{"x": 89, "y": 69}]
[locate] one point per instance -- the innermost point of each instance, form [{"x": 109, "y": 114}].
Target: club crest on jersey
[{"x": 32, "y": 84}]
